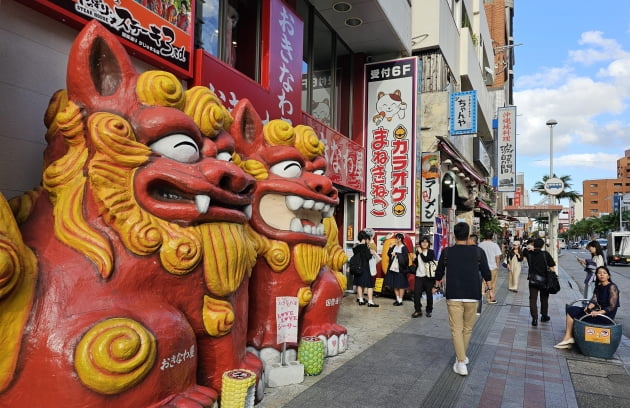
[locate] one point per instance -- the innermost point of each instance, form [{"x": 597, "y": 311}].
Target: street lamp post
[{"x": 553, "y": 217}]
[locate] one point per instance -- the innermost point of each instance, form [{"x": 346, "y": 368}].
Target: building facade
[{"x": 310, "y": 62}]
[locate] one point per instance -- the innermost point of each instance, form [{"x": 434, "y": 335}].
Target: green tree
[
  {"x": 490, "y": 224},
  {"x": 539, "y": 187}
]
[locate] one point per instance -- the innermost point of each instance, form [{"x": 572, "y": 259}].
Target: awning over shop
[
  {"x": 481, "y": 204},
  {"x": 458, "y": 160},
  {"x": 532, "y": 211}
]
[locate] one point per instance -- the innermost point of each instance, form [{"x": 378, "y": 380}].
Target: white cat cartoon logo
[{"x": 388, "y": 106}]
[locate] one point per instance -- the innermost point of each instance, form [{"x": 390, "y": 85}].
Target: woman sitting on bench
[{"x": 605, "y": 301}]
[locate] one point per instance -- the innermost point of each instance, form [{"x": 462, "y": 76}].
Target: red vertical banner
[{"x": 278, "y": 96}]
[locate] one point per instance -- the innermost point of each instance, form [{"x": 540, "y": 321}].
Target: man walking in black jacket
[{"x": 464, "y": 264}]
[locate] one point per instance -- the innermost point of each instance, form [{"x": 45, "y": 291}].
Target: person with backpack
[
  {"x": 466, "y": 266},
  {"x": 360, "y": 269}
]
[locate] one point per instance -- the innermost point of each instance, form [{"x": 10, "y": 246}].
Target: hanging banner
[
  {"x": 463, "y": 113},
  {"x": 506, "y": 149},
  {"x": 390, "y": 134},
  {"x": 160, "y": 32},
  {"x": 430, "y": 173}
]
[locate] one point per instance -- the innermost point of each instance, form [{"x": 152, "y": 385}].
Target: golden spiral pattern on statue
[
  {"x": 255, "y": 169},
  {"x": 184, "y": 248},
  {"x": 160, "y": 88},
  {"x": 207, "y": 111},
  {"x": 308, "y": 143},
  {"x": 279, "y": 133},
  {"x": 69, "y": 122},
  {"x": 304, "y": 295},
  {"x": 57, "y": 103},
  {"x": 308, "y": 261},
  {"x": 144, "y": 236},
  {"x": 113, "y": 137},
  {"x": 114, "y": 355},
  {"x": 11, "y": 269},
  {"x": 278, "y": 255},
  {"x": 218, "y": 316},
  {"x": 22, "y": 205}
]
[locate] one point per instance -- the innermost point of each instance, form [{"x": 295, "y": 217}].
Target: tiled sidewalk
[{"x": 397, "y": 361}]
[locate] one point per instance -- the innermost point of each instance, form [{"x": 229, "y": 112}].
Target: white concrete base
[{"x": 279, "y": 375}]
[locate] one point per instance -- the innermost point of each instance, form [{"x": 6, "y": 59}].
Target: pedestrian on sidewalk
[
  {"x": 425, "y": 277},
  {"x": 514, "y": 262},
  {"x": 398, "y": 266},
  {"x": 590, "y": 265},
  {"x": 539, "y": 263},
  {"x": 605, "y": 301},
  {"x": 493, "y": 254},
  {"x": 462, "y": 265},
  {"x": 364, "y": 281}
]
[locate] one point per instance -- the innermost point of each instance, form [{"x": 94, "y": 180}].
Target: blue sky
[{"x": 574, "y": 67}]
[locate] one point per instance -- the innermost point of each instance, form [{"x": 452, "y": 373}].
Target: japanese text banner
[
  {"x": 506, "y": 151},
  {"x": 391, "y": 88}
]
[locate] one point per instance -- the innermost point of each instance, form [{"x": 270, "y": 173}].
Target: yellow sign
[
  {"x": 597, "y": 334},
  {"x": 378, "y": 285}
]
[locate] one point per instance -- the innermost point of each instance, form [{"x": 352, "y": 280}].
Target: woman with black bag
[
  {"x": 539, "y": 263},
  {"x": 363, "y": 279},
  {"x": 398, "y": 267}
]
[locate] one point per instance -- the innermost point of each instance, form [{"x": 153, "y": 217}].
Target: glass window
[
  {"x": 343, "y": 80},
  {"x": 326, "y": 72},
  {"x": 321, "y": 96},
  {"x": 230, "y": 31}
]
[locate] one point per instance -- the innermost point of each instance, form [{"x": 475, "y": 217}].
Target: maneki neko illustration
[
  {"x": 292, "y": 222},
  {"x": 124, "y": 279},
  {"x": 389, "y": 106}
]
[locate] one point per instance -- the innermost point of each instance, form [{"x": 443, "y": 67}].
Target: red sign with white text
[
  {"x": 160, "y": 32},
  {"x": 345, "y": 158}
]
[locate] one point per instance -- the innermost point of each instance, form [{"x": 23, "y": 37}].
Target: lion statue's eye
[
  {"x": 319, "y": 172},
  {"x": 224, "y": 156},
  {"x": 287, "y": 169},
  {"x": 178, "y": 147}
]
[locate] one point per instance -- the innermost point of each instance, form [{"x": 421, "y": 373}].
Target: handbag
[
  {"x": 429, "y": 269},
  {"x": 395, "y": 267},
  {"x": 373, "y": 261},
  {"x": 553, "y": 284}
]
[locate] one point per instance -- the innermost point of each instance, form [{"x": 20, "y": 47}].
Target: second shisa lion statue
[{"x": 125, "y": 279}]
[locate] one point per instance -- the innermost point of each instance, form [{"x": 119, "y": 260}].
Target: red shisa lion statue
[
  {"x": 296, "y": 236},
  {"x": 125, "y": 278}
]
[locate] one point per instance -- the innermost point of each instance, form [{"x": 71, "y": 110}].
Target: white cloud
[
  {"x": 603, "y": 49},
  {"x": 601, "y": 161},
  {"x": 547, "y": 78}
]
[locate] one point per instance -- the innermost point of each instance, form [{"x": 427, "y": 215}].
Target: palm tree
[{"x": 568, "y": 193}]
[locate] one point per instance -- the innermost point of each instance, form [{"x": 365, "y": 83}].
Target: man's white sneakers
[{"x": 460, "y": 368}]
